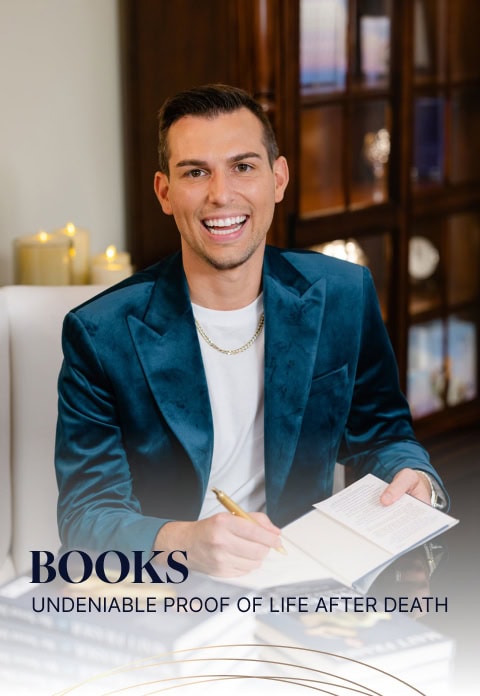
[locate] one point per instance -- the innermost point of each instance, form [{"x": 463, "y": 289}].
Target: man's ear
[
  {"x": 161, "y": 187},
  {"x": 280, "y": 171}
]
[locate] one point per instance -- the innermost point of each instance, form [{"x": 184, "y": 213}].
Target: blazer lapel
[
  {"x": 167, "y": 347},
  {"x": 293, "y": 316}
]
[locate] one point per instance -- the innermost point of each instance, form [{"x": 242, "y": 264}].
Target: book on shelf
[
  {"x": 375, "y": 47},
  {"x": 350, "y": 537},
  {"x": 428, "y": 139},
  {"x": 323, "y": 44},
  {"x": 422, "y": 58}
]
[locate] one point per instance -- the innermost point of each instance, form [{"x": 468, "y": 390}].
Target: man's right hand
[{"x": 223, "y": 545}]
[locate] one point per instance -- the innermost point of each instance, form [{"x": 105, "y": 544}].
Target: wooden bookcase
[{"x": 376, "y": 105}]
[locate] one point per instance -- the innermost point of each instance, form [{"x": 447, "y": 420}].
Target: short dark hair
[{"x": 209, "y": 101}]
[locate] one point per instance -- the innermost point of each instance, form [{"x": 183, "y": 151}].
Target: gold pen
[{"x": 235, "y": 509}]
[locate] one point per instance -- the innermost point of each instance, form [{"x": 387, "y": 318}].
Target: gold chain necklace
[{"x": 233, "y": 351}]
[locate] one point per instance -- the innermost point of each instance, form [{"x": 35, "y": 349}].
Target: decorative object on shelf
[
  {"x": 442, "y": 367},
  {"x": 345, "y": 249},
  {"x": 110, "y": 267},
  {"x": 42, "y": 259},
  {"x": 79, "y": 253},
  {"x": 375, "y": 47},
  {"x": 427, "y": 377},
  {"x": 423, "y": 258},
  {"x": 376, "y": 148}
]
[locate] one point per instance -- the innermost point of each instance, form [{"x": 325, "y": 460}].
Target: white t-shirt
[{"x": 235, "y": 387}]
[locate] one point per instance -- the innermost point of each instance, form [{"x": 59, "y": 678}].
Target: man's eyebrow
[
  {"x": 191, "y": 163},
  {"x": 243, "y": 156},
  {"x": 203, "y": 163}
]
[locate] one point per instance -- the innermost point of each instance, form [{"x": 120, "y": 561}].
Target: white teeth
[{"x": 226, "y": 222}]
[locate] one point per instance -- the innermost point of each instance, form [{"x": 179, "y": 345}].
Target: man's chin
[{"x": 228, "y": 263}]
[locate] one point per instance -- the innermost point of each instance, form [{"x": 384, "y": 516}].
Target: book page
[
  {"x": 348, "y": 555},
  {"x": 282, "y": 569},
  {"x": 395, "y": 528}
]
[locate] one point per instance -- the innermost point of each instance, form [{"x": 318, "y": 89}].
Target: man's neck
[{"x": 224, "y": 289}]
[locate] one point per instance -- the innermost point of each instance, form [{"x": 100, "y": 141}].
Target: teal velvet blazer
[{"x": 135, "y": 434}]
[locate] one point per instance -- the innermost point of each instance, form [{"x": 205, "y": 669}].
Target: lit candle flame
[
  {"x": 70, "y": 227},
  {"x": 111, "y": 252},
  {"x": 43, "y": 236}
]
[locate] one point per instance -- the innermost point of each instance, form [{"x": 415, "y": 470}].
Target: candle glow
[
  {"x": 79, "y": 252},
  {"x": 111, "y": 252},
  {"x": 111, "y": 267}
]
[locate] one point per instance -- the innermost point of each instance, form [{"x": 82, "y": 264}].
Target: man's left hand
[{"x": 407, "y": 481}]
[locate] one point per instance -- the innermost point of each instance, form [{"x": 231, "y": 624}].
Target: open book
[{"x": 350, "y": 537}]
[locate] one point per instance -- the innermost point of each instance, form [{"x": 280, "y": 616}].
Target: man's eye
[
  {"x": 244, "y": 167},
  {"x": 195, "y": 173}
]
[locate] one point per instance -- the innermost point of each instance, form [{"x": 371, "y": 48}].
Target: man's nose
[{"x": 219, "y": 189}]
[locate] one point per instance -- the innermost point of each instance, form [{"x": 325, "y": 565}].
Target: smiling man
[
  {"x": 222, "y": 199},
  {"x": 231, "y": 365}
]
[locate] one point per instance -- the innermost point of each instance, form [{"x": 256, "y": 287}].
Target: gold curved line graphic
[
  {"x": 310, "y": 650},
  {"x": 298, "y": 681},
  {"x": 219, "y": 677},
  {"x": 371, "y": 692},
  {"x": 160, "y": 662}
]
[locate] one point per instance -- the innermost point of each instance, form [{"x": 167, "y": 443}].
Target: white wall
[{"x": 60, "y": 122}]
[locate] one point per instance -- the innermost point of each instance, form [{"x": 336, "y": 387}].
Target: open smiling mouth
[{"x": 224, "y": 226}]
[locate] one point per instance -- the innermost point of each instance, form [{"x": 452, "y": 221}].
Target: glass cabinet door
[
  {"x": 388, "y": 175},
  {"x": 444, "y": 238}
]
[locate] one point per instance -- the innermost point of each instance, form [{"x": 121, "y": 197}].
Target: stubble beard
[{"x": 230, "y": 264}]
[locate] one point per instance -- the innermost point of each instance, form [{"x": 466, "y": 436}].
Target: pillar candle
[
  {"x": 110, "y": 267},
  {"x": 79, "y": 253},
  {"x": 42, "y": 259}
]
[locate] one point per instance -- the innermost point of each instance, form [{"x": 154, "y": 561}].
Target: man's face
[{"x": 221, "y": 188}]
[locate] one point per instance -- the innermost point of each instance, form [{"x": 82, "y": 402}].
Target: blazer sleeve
[
  {"x": 379, "y": 437},
  {"x": 97, "y": 509}
]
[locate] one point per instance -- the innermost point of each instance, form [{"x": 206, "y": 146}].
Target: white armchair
[{"x": 30, "y": 357}]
